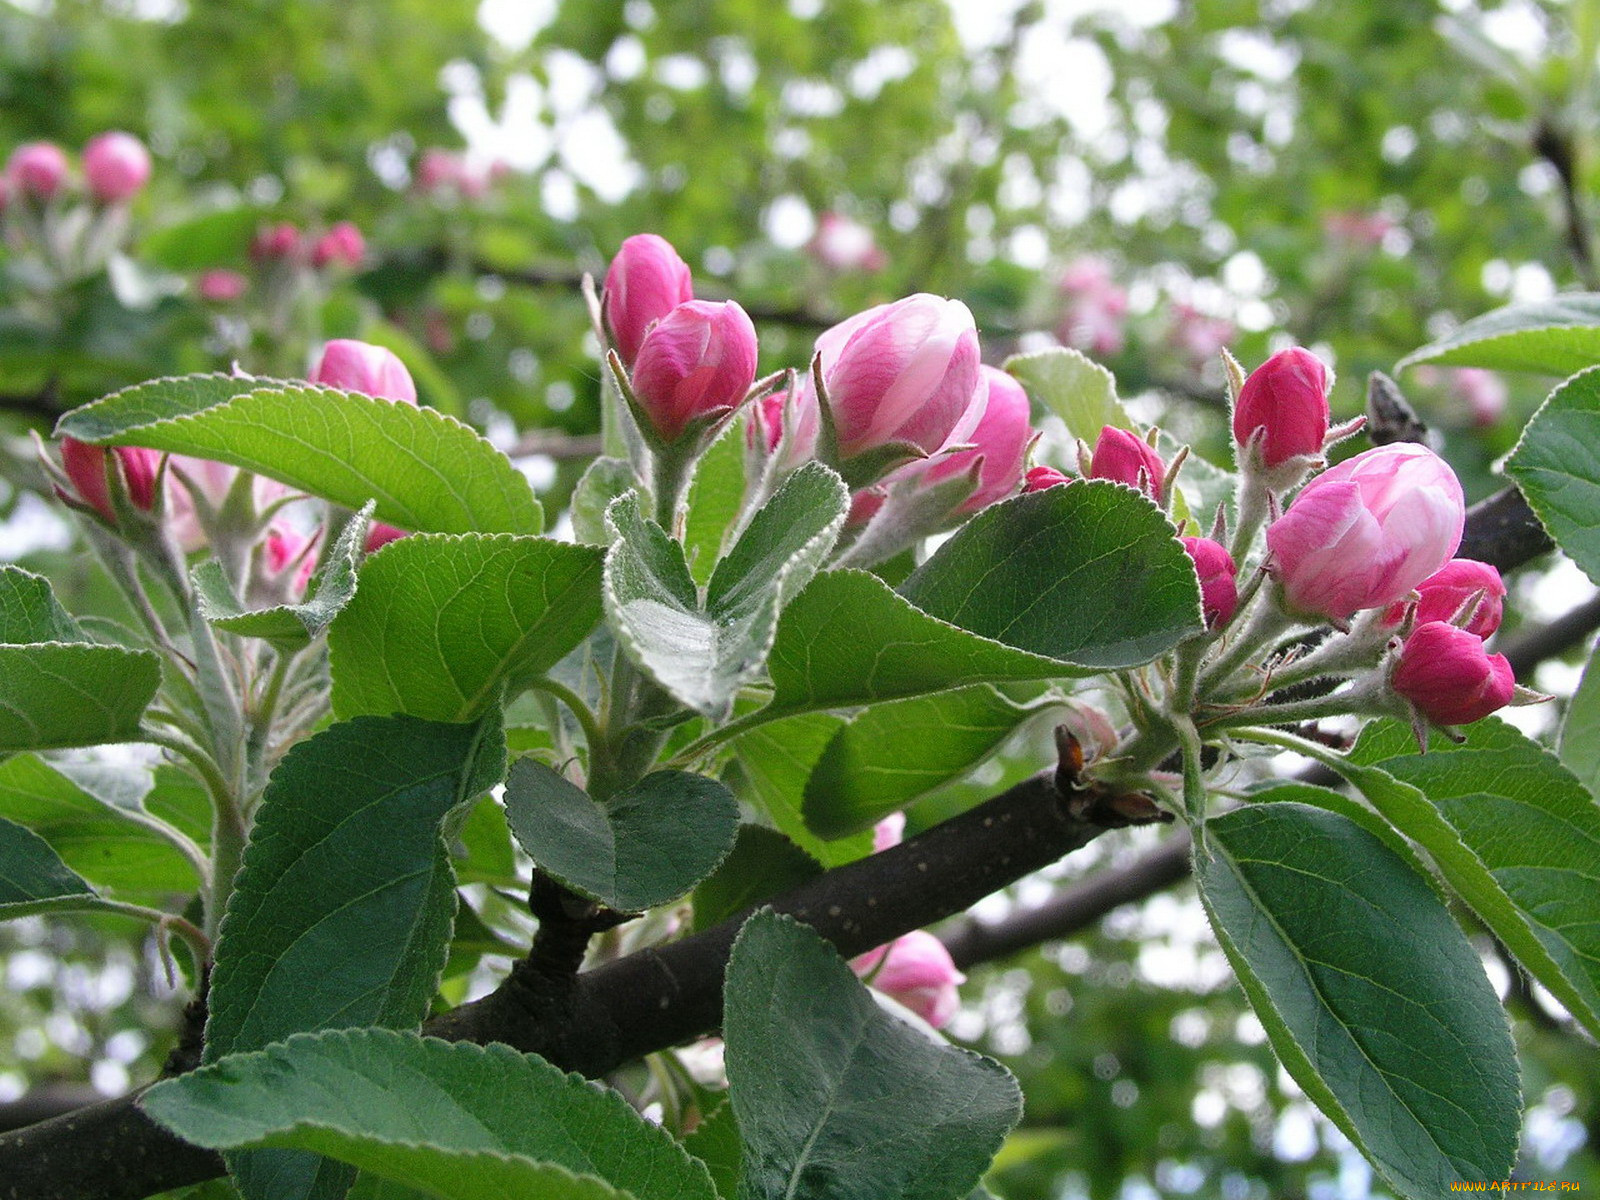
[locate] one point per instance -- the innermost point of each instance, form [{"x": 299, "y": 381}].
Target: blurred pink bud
[
  {"x": 1197, "y": 337},
  {"x": 1041, "y": 477},
  {"x": 1219, "y": 589},
  {"x": 1096, "y": 308},
  {"x": 901, "y": 372},
  {"x": 1448, "y": 675},
  {"x": 1127, "y": 458},
  {"x": 1483, "y": 394},
  {"x": 1445, "y": 592},
  {"x": 1287, "y": 398},
  {"x": 275, "y": 243},
  {"x": 843, "y": 244},
  {"x": 287, "y": 547},
  {"x": 5, "y": 193},
  {"x": 696, "y": 362},
  {"x": 918, "y": 972},
  {"x": 220, "y": 286},
  {"x": 645, "y": 282},
  {"x": 380, "y": 534},
  {"x": 437, "y": 168},
  {"x": 343, "y": 245},
  {"x": 1367, "y": 229},
  {"x": 1001, "y": 436},
  {"x": 888, "y": 832},
  {"x": 116, "y": 166},
  {"x": 1364, "y": 533},
  {"x": 85, "y": 466},
  {"x": 362, "y": 367},
  {"x": 38, "y": 169},
  {"x": 1087, "y": 275}
]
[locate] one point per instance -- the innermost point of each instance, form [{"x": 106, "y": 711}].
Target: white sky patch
[
  {"x": 789, "y": 222},
  {"x": 515, "y": 23}
]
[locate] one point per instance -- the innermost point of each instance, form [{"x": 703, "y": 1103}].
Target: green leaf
[
  {"x": 715, "y": 1142},
  {"x": 58, "y": 694},
  {"x": 892, "y": 753},
  {"x": 1064, "y": 382},
  {"x": 1373, "y": 999},
  {"x": 289, "y": 627},
  {"x": 774, "y": 762},
  {"x": 651, "y": 843},
  {"x": 1514, "y": 834},
  {"x": 1352, "y": 810},
  {"x": 603, "y": 481},
  {"x": 345, "y": 882},
  {"x": 834, "y": 1097},
  {"x": 1092, "y": 574},
  {"x": 30, "y": 612},
  {"x": 96, "y": 833},
  {"x": 1553, "y": 337},
  {"x": 1580, "y": 729},
  {"x": 426, "y": 471},
  {"x": 198, "y": 242},
  {"x": 703, "y": 655},
  {"x": 443, "y": 623},
  {"x": 33, "y": 878},
  {"x": 762, "y": 864},
  {"x": 715, "y": 495},
  {"x": 1557, "y": 466},
  {"x": 460, "y": 1120}
]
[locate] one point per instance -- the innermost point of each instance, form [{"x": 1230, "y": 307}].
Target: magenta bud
[
  {"x": 697, "y": 362},
  {"x": 85, "y": 466},
  {"x": 116, "y": 166},
  {"x": 1286, "y": 398},
  {"x": 275, "y": 243},
  {"x": 380, "y": 534},
  {"x": 1001, "y": 440},
  {"x": 343, "y": 244},
  {"x": 437, "y": 168},
  {"x": 1041, "y": 477},
  {"x": 918, "y": 972},
  {"x": 221, "y": 286},
  {"x": 38, "y": 169},
  {"x": 1364, "y": 533},
  {"x": 354, "y": 366},
  {"x": 1483, "y": 394},
  {"x": 288, "y": 548},
  {"x": 1219, "y": 589},
  {"x": 646, "y": 281},
  {"x": 1127, "y": 458},
  {"x": 1451, "y": 590},
  {"x": 1446, "y": 673}
]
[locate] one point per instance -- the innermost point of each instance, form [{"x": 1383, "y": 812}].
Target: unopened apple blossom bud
[
  {"x": 85, "y": 466},
  {"x": 696, "y": 363},
  {"x": 1041, "y": 477},
  {"x": 116, "y": 166},
  {"x": 645, "y": 282},
  {"x": 275, "y": 243},
  {"x": 888, "y": 832},
  {"x": 1445, "y": 672},
  {"x": 844, "y": 244},
  {"x": 1483, "y": 393},
  {"x": 380, "y": 534},
  {"x": 1463, "y": 587},
  {"x": 1001, "y": 440},
  {"x": 288, "y": 549},
  {"x": 1219, "y": 588},
  {"x": 221, "y": 286},
  {"x": 918, "y": 972},
  {"x": 342, "y": 245},
  {"x": 1364, "y": 533},
  {"x": 901, "y": 373},
  {"x": 1127, "y": 458},
  {"x": 1284, "y": 402},
  {"x": 38, "y": 169},
  {"x": 354, "y": 366}
]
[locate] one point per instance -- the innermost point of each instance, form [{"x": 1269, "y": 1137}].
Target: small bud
[
  {"x": 1126, "y": 458},
  {"x": 1041, "y": 477},
  {"x": 437, "y": 168},
  {"x": 888, "y": 832},
  {"x": 380, "y": 534},
  {"x": 85, "y": 466},
  {"x": 1219, "y": 589},
  {"x": 844, "y": 244},
  {"x": 220, "y": 286},
  {"x": 38, "y": 169},
  {"x": 1483, "y": 394},
  {"x": 275, "y": 243},
  {"x": 918, "y": 972},
  {"x": 116, "y": 166},
  {"x": 288, "y": 549},
  {"x": 1446, "y": 674},
  {"x": 1462, "y": 586},
  {"x": 1001, "y": 439},
  {"x": 1286, "y": 399},
  {"x": 354, "y": 366},
  {"x": 645, "y": 282},
  {"x": 342, "y": 245},
  {"x": 694, "y": 364}
]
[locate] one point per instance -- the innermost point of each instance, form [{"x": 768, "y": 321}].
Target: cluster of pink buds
[
  {"x": 1442, "y": 668},
  {"x": 1096, "y": 307},
  {"x": 1197, "y": 337},
  {"x": 284, "y": 242},
  {"x": 116, "y": 167},
  {"x": 443, "y": 173}
]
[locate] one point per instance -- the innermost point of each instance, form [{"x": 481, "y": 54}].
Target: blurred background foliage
[{"x": 1353, "y": 177}]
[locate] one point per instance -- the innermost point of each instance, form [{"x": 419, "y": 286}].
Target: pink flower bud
[
  {"x": 1219, "y": 590},
  {"x": 116, "y": 166},
  {"x": 918, "y": 972},
  {"x": 362, "y": 367},
  {"x": 221, "y": 287},
  {"x": 275, "y": 243},
  {"x": 864, "y": 505},
  {"x": 1364, "y": 533},
  {"x": 646, "y": 281},
  {"x": 437, "y": 168},
  {"x": 85, "y": 466},
  {"x": 1448, "y": 675},
  {"x": 1197, "y": 337},
  {"x": 843, "y": 244},
  {"x": 380, "y": 534},
  {"x": 901, "y": 372},
  {"x": 1444, "y": 593},
  {"x": 888, "y": 832},
  {"x": 343, "y": 244},
  {"x": 1001, "y": 436},
  {"x": 1039, "y": 478},
  {"x": 1287, "y": 398},
  {"x": 288, "y": 547},
  {"x": 38, "y": 169},
  {"x": 1127, "y": 458},
  {"x": 696, "y": 362},
  {"x": 1483, "y": 394},
  {"x": 1096, "y": 308}
]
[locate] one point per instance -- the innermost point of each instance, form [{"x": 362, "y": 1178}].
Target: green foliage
[
  {"x": 1065, "y": 383},
  {"x": 33, "y": 878},
  {"x": 774, "y": 763},
  {"x": 762, "y": 864},
  {"x": 1555, "y": 466},
  {"x": 1383, "y": 1014},
  {"x": 1580, "y": 730},
  {"x": 836, "y": 1098},
  {"x": 1551, "y": 337}
]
